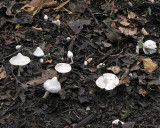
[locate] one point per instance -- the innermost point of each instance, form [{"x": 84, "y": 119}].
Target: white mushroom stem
[
  {"x": 71, "y": 60},
  {"x": 46, "y": 95},
  {"x": 19, "y": 70}
]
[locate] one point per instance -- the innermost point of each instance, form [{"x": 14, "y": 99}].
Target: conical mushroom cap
[
  {"x": 38, "y": 52},
  {"x": 108, "y": 81},
  {"x": 63, "y": 67},
  {"x": 19, "y": 60},
  {"x": 52, "y": 85},
  {"x": 149, "y": 47}
]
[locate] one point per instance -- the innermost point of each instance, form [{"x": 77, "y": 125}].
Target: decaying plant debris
[{"x": 106, "y": 34}]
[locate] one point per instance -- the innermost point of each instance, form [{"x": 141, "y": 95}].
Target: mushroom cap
[
  {"x": 149, "y": 47},
  {"x": 57, "y": 22},
  {"x": 63, "y": 67},
  {"x": 45, "y": 17},
  {"x": 52, "y": 85},
  {"x": 38, "y": 52},
  {"x": 107, "y": 81},
  {"x": 70, "y": 54},
  {"x": 20, "y": 60}
]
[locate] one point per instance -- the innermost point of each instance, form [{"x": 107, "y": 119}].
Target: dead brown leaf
[
  {"x": 79, "y": 6},
  {"x": 33, "y": 7},
  {"x": 125, "y": 22},
  {"x": 131, "y": 15},
  {"x": 77, "y": 25},
  {"x": 46, "y": 74},
  {"x": 2, "y": 73},
  {"x": 142, "y": 91},
  {"x": 149, "y": 65},
  {"x": 144, "y": 32},
  {"x": 128, "y": 30},
  {"x": 124, "y": 79},
  {"x": 115, "y": 69}
]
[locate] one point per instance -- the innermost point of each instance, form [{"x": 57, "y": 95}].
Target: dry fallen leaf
[
  {"x": 33, "y": 7},
  {"x": 116, "y": 69},
  {"x": 128, "y": 30},
  {"x": 2, "y": 73},
  {"x": 142, "y": 92},
  {"x": 144, "y": 32},
  {"x": 149, "y": 65},
  {"x": 124, "y": 79},
  {"x": 46, "y": 74},
  {"x": 125, "y": 22},
  {"x": 131, "y": 15}
]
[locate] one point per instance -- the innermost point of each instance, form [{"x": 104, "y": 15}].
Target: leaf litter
[{"x": 110, "y": 41}]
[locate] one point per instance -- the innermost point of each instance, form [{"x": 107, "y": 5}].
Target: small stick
[
  {"x": 90, "y": 11},
  {"x": 85, "y": 121}
]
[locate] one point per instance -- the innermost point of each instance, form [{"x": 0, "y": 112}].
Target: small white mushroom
[
  {"x": 70, "y": 55},
  {"x": 51, "y": 86},
  {"x": 38, "y": 52},
  {"x": 117, "y": 121},
  {"x": 41, "y": 60},
  {"x": 107, "y": 81},
  {"x": 18, "y": 47},
  {"x": 137, "y": 49},
  {"x": 63, "y": 67},
  {"x": 68, "y": 39},
  {"x": 89, "y": 60},
  {"x": 100, "y": 65},
  {"x": 85, "y": 62},
  {"x": 45, "y": 17},
  {"x": 57, "y": 22},
  {"x": 19, "y": 60},
  {"x": 149, "y": 47}
]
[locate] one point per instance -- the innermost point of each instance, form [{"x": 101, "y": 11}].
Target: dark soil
[{"x": 94, "y": 32}]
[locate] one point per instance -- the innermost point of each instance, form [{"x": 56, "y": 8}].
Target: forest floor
[{"x": 105, "y": 34}]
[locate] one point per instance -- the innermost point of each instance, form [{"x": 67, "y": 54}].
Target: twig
[
  {"x": 85, "y": 121},
  {"x": 90, "y": 11}
]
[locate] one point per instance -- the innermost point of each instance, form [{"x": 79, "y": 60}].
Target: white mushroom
[
  {"x": 108, "y": 81},
  {"x": 63, "y": 67},
  {"x": 41, "y": 60},
  {"x": 149, "y": 47},
  {"x": 85, "y": 62},
  {"x": 70, "y": 55},
  {"x": 45, "y": 17},
  {"x": 117, "y": 121},
  {"x": 18, "y": 47},
  {"x": 51, "y": 86},
  {"x": 20, "y": 61},
  {"x": 68, "y": 39},
  {"x": 57, "y": 22},
  {"x": 38, "y": 52},
  {"x": 100, "y": 65}
]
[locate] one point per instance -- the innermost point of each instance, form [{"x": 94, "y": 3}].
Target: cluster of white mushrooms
[{"x": 51, "y": 85}]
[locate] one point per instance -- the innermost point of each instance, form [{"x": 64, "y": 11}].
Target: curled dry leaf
[
  {"x": 125, "y": 22},
  {"x": 124, "y": 79},
  {"x": 33, "y": 7},
  {"x": 116, "y": 69},
  {"x": 2, "y": 73},
  {"x": 131, "y": 15},
  {"x": 149, "y": 65},
  {"x": 142, "y": 91},
  {"x": 144, "y": 32}
]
